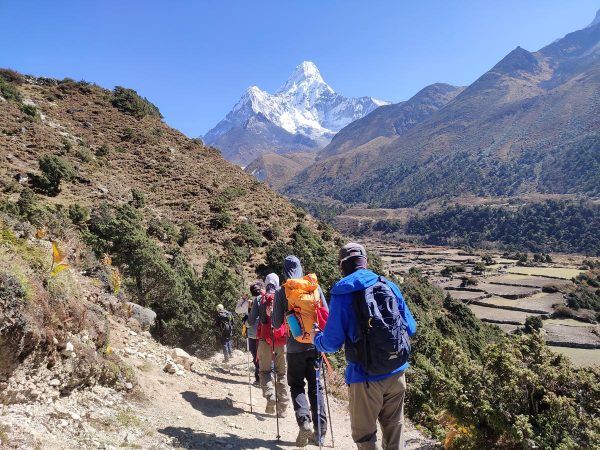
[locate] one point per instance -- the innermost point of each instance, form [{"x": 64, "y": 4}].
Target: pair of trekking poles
[{"x": 318, "y": 368}]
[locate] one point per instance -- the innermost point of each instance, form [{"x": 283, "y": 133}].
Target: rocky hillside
[
  {"x": 528, "y": 125},
  {"x": 114, "y": 152},
  {"x": 303, "y": 114},
  {"x": 184, "y": 229}
]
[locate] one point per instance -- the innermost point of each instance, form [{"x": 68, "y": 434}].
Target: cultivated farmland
[{"x": 504, "y": 291}]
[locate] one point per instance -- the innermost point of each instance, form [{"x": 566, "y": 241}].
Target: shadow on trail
[
  {"x": 211, "y": 407},
  {"x": 226, "y": 380},
  {"x": 215, "y": 407},
  {"x": 189, "y": 439}
]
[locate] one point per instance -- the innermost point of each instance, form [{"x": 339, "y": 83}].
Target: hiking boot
[
  {"x": 304, "y": 433},
  {"x": 315, "y": 441},
  {"x": 282, "y": 411},
  {"x": 270, "y": 409}
]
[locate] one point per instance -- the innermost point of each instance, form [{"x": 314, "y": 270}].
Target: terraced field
[
  {"x": 562, "y": 273},
  {"x": 505, "y": 293}
]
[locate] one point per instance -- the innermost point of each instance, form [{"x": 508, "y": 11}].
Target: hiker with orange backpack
[
  {"x": 300, "y": 301},
  {"x": 271, "y": 348}
]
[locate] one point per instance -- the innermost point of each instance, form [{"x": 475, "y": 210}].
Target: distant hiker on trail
[
  {"x": 271, "y": 348},
  {"x": 368, "y": 314},
  {"x": 244, "y": 307},
  {"x": 224, "y": 326},
  {"x": 300, "y": 292}
]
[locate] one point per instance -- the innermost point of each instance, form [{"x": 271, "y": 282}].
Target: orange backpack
[{"x": 304, "y": 302}]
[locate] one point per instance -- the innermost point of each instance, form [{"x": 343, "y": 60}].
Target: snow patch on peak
[
  {"x": 379, "y": 102},
  {"x": 306, "y": 76}
]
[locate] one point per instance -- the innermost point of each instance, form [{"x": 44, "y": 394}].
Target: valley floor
[
  {"x": 505, "y": 294},
  {"x": 205, "y": 407}
]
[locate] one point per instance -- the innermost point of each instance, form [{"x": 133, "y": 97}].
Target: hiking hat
[
  {"x": 220, "y": 307},
  {"x": 272, "y": 279},
  {"x": 351, "y": 250}
]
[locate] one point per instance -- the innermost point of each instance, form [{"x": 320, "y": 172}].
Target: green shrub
[
  {"x": 468, "y": 281},
  {"x": 221, "y": 220},
  {"x": 31, "y": 111},
  {"x": 479, "y": 267},
  {"x": 78, "y": 214},
  {"x": 27, "y": 201},
  {"x": 488, "y": 260},
  {"x": 85, "y": 155},
  {"x": 249, "y": 234},
  {"x": 187, "y": 231},
  {"x": 235, "y": 255},
  {"x": 128, "y": 134},
  {"x": 9, "y": 91},
  {"x": 129, "y": 102},
  {"x": 314, "y": 254},
  {"x": 450, "y": 270},
  {"x": 499, "y": 390},
  {"x": 220, "y": 204},
  {"x": 274, "y": 233},
  {"x": 163, "y": 230},
  {"x": 103, "y": 151},
  {"x": 11, "y": 76},
  {"x": 54, "y": 170},
  {"x": 533, "y": 324},
  {"x": 138, "y": 198}
]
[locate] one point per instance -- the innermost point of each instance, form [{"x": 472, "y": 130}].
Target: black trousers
[{"x": 301, "y": 368}]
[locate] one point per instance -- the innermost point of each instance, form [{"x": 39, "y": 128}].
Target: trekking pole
[
  {"x": 328, "y": 410},
  {"x": 274, "y": 373},
  {"x": 318, "y": 377},
  {"x": 248, "y": 360}
]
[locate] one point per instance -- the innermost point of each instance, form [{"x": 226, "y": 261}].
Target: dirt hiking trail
[{"x": 204, "y": 404}]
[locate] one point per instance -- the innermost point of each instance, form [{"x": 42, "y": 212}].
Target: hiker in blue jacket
[{"x": 376, "y": 382}]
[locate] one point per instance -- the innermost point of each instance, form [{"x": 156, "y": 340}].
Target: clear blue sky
[{"x": 194, "y": 58}]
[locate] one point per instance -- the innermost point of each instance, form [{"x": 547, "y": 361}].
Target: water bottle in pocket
[{"x": 293, "y": 324}]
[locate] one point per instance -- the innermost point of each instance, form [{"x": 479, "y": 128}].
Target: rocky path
[{"x": 201, "y": 405}]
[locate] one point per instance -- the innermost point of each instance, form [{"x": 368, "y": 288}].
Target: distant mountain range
[
  {"x": 304, "y": 114},
  {"x": 530, "y": 125}
]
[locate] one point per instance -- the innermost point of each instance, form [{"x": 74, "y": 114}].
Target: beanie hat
[{"x": 220, "y": 307}]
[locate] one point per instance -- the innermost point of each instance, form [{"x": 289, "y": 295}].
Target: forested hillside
[{"x": 551, "y": 226}]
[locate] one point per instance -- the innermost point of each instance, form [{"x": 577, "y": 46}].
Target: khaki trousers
[
  {"x": 384, "y": 401},
  {"x": 264, "y": 370}
]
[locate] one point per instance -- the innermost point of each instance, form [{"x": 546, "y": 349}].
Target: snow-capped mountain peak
[
  {"x": 307, "y": 75},
  {"x": 305, "y": 110}
]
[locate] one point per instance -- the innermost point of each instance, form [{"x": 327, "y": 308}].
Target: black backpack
[
  {"x": 224, "y": 320},
  {"x": 382, "y": 344}
]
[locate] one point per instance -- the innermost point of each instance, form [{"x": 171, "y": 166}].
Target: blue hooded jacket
[{"x": 342, "y": 324}]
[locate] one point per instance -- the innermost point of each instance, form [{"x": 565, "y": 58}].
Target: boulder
[
  {"x": 68, "y": 350},
  {"x": 144, "y": 316},
  {"x": 180, "y": 355},
  {"x": 170, "y": 367}
]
